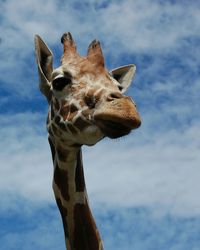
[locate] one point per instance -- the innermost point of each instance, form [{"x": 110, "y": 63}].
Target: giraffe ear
[
  {"x": 44, "y": 59},
  {"x": 124, "y": 75}
]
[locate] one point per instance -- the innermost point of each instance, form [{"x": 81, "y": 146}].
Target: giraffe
[{"x": 86, "y": 104}]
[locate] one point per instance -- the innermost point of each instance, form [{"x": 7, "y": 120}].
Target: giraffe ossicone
[{"x": 86, "y": 104}]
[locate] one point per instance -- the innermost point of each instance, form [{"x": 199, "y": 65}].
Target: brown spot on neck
[
  {"x": 62, "y": 153},
  {"x": 53, "y": 152},
  {"x": 86, "y": 235},
  {"x": 73, "y": 108},
  {"x": 64, "y": 213},
  {"x": 55, "y": 130},
  {"x": 80, "y": 123},
  {"x": 57, "y": 120},
  {"x": 79, "y": 177},
  {"x": 71, "y": 128},
  {"x": 52, "y": 112},
  {"x": 61, "y": 180}
]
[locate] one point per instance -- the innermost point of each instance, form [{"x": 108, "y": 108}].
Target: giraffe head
[{"x": 86, "y": 101}]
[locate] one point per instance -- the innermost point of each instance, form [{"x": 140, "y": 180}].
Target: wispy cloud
[
  {"x": 42, "y": 229},
  {"x": 136, "y": 27},
  {"x": 138, "y": 229},
  {"x": 26, "y": 161},
  {"x": 160, "y": 172},
  {"x": 29, "y": 226}
]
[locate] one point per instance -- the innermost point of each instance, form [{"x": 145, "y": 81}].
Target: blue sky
[{"x": 145, "y": 189}]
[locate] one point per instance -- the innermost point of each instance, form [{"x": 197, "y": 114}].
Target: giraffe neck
[{"x": 70, "y": 192}]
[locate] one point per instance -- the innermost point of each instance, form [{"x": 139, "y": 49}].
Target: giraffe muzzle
[{"x": 117, "y": 118}]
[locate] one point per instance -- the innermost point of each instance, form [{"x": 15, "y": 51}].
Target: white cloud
[
  {"x": 128, "y": 229},
  {"x": 123, "y": 27},
  {"x": 161, "y": 173},
  {"x": 26, "y": 166},
  {"x": 149, "y": 26},
  {"x": 154, "y": 170},
  {"x": 38, "y": 228}
]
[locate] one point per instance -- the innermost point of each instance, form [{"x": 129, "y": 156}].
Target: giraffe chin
[{"x": 113, "y": 130}]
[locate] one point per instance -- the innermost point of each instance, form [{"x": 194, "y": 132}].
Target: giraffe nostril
[
  {"x": 90, "y": 101},
  {"x": 114, "y": 95}
]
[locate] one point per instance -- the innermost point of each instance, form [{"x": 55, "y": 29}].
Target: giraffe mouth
[{"x": 113, "y": 129}]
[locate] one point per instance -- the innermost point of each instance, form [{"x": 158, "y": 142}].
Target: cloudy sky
[{"x": 143, "y": 189}]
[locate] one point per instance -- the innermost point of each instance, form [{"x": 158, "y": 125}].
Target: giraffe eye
[{"x": 61, "y": 82}]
